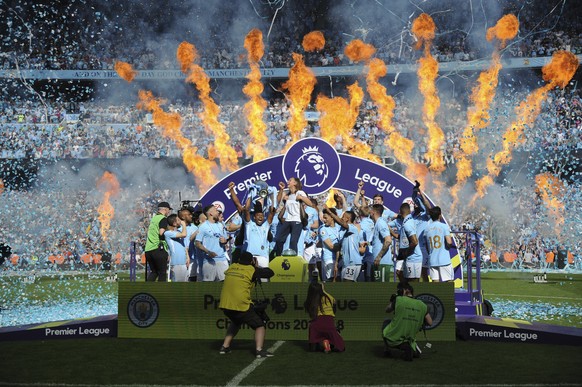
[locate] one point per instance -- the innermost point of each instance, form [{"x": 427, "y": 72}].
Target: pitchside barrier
[{"x": 190, "y": 310}]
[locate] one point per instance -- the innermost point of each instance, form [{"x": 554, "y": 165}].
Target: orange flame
[
  {"x": 558, "y": 72},
  {"x": 385, "y": 102},
  {"x": 254, "y": 45},
  {"x": 477, "y": 118},
  {"x": 186, "y": 54},
  {"x": 1, "y": 186},
  {"x": 338, "y": 117},
  {"x": 255, "y": 108},
  {"x": 505, "y": 29},
  {"x": 551, "y": 189},
  {"x": 423, "y": 28},
  {"x": 201, "y": 168},
  {"x": 300, "y": 86},
  {"x": 313, "y": 41},
  {"x": 482, "y": 96},
  {"x": 358, "y": 51},
  {"x": 561, "y": 68},
  {"x": 401, "y": 146},
  {"x": 125, "y": 71},
  {"x": 427, "y": 73},
  {"x": 109, "y": 185}
]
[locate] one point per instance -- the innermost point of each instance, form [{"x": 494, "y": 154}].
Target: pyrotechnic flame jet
[
  {"x": 558, "y": 72},
  {"x": 187, "y": 56},
  {"x": 482, "y": 96},
  {"x": 423, "y": 28},
  {"x": 109, "y": 186},
  {"x": 256, "y": 106},
  {"x": 300, "y": 86}
]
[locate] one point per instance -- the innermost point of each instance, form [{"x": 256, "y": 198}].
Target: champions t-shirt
[{"x": 292, "y": 207}]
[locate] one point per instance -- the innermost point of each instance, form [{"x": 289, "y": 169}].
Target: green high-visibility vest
[
  {"x": 408, "y": 319},
  {"x": 154, "y": 240}
]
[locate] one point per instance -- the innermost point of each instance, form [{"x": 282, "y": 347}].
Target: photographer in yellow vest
[{"x": 236, "y": 302}]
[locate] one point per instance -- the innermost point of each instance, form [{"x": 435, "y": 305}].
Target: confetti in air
[
  {"x": 482, "y": 96},
  {"x": 558, "y": 72}
]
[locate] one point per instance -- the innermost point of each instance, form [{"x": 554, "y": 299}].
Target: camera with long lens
[{"x": 260, "y": 308}]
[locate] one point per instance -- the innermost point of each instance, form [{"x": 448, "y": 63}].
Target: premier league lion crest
[
  {"x": 314, "y": 162},
  {"x": 311, "y": 168}
]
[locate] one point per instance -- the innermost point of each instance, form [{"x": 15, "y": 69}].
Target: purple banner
[
  {"x": 319, "y": 168},
  {"x": 103, "y": 326},
  {"x": 508, "y": 330}
]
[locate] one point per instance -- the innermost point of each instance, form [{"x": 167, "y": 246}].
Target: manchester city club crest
[
  {"x": 143, "y": 310},
  {"x": 435, "y": 308},
  {"x": 315, "y": 163}
]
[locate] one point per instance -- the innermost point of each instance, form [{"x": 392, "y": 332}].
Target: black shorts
[{"x": 250, "y": 317}]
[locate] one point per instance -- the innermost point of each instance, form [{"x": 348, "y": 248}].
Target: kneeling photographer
[
  {"x": 320, "y": 305},
  {"x": 410, "y": 315},
  {"x": 236, "y": 302}
]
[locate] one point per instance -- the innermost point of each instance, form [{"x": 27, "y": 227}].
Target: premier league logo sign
[
  {"x": 315, "y": 163},
  {"x": 311, "y": 168}
]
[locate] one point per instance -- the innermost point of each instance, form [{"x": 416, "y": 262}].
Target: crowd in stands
[
  {"x": 98, "y": 130},
  {"x": 101, "y": 38},
  {"x": 48, "y": 223}
]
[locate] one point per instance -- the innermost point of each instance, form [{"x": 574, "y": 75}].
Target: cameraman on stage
[
  {"x": 410, "y": 315},
  {"x": 236, "y": 302}
]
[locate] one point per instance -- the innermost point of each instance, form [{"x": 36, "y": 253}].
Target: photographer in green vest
[{"x": 410, "y": 315}]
